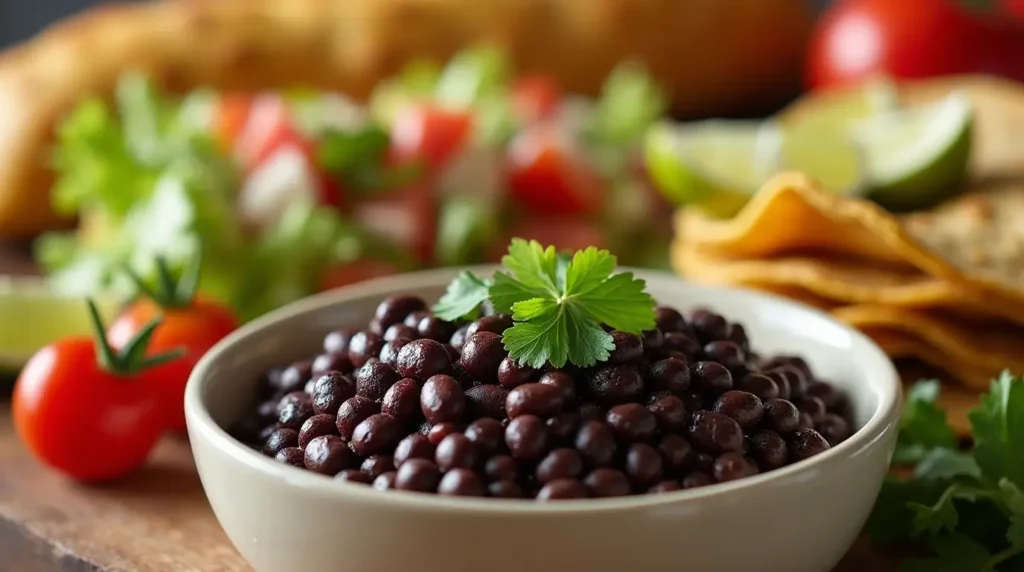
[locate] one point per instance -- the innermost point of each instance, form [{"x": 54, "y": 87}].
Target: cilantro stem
[{"x": 1006, "y": 554}]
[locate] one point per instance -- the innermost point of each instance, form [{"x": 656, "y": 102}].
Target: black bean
[
  {"x": 562, "y": 429},
  {"x": 780, "y": 416},
  {"x": 354, "y": 476},
  {"x": 703, "y": 463},
  {"x": 395, "y": 309},
  {"x": 806, "y": 443},
  {"x": 512, "y": 374},
  {"x": 596, "y": 443},
  {"x": 294, "y": 409},
  {"x": 266, "y": 412},
  {"x": 811, "y": 406},
  {"x": 696, "y": 479},
  {"x": 400, "y": 331},
  {"x": 418, "y": 475},
  {"x": 352, "y": 412},
  {"x": 504, "y": 490},
  {"x": 643, "y": 464},
  {"x": 316, "y": 426},
  {"x": 413, "y": 319},
  {"x": 672, "y": 375},
  {"x": 732, "y": 466},
  {"x": 711, "y": 377},
  {"x": 664, "y": 487},
  {"x": 376, "y": 465},
  {"x": 604, "y": 483},
  {"x": 414, "y": 446},
  {"x": 330, "y": 391},
  {"x": 495, "y": 323},
  {"x": 680, "y": 343},
  {"x": 461, "y": 483},
  {"x": 442, "y": 399},
  {"x": 325, "y": 363},
  {"x": 422, "y": 359},
  {"x": 726, "y": 353},
  {"x": 563, "y": 381},
  {"x": 377, "y": 434},
  {"x": 760, "y": 385},
  {"x": 628, "y": 348},
  {"x": 328, "y": 455},
  {"x": 458, "y": 339},
  {"x": 389, "y": 353},
  {"x": 562, "y": 489},
  {"x": 768, "y": 449},
  {"x": 806, "y": 421},
  {"x": 742, "y": 406},
  {"x": 363, "y": 346},
  {"x": 694, "y": 401},
  {"x": 486, "y": 401},
  {"x": 385, "y": 482},
  {"x": 482, "y": 355},
  {"x": 795, "y": 380},
  {"x": 280, "y": 439},
  {"x": 737, "y": 334},
  {"x": 402, "y": 401},
  {"x": 631, "y": 422},
  {"x": 374, "y": 379},
  {"x": 434, "y": 328},
  {"x": 456, "y": 451},
  {"x": 614, "y": 384},
  {"x": 833, "y": 428},
  {"x": 501, "y": 467},
  {"x": 534, "y": 399},
  {"x": 653, "y": 340},
  {"x": 669, "y": 319},
  {"x": 591, "y": 412},
  {"x": 828, "y": 395},
  {"x": 559, "y": 464},
  {"x": 294, "y": 377},
  {"x": 526, "y": 438},
  {"x": 708, "y": 326},
  {"x": 669, "y": 412},
  {"x": 293, "y": 456},
  {"x": 715, "y": 433},
  {"x": 337, "y": 342},
  {"x": 677, "y": 455},
  {"x": 438, "y": 432}
]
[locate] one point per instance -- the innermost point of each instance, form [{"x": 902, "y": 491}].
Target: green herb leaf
[
  {"x": 558, "y": 304},
  {"x": 954, "y": 553},
  {"x": 947, "y": 464},
  {"x": 941, "y": 515},
  {"x": 463, "y": 298},
  {"x": 923, "y": 425},
  {"x": 357, "y": 158},
  {"x": 998, "y": 428}
]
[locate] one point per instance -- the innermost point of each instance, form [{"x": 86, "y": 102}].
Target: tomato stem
[
  {"x": 131, "y": 359},
  {"x": 170, "y": 292}
]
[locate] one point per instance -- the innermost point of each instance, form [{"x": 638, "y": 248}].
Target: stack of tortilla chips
[{"x": 945, "y": 287}]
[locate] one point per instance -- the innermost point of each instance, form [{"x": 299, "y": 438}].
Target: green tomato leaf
[
  {"x": 998, "y": 428},
  {"x": 463, "y": 298}
]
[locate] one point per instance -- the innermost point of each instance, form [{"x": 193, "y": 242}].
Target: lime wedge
[
  {"x": 834, "y": 112},
  {"x": 836, "y": 161},
  {"x": 31, "y": 316},
  {"x": 713, "y": 165},
  {"x": 916, "y": 156}
]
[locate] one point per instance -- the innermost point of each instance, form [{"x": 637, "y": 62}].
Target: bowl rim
[{"x": 202, "y": 426}]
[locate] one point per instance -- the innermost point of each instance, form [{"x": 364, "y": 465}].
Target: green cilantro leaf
[
  {"x": 1015, "y": 533},
  {"x": 954, "y": 553},
  {"x": 998, "y": 428},
  {"x": 942, "y": 515},
  {"x": 923, "y": 425},
  {"x": 947, "y": 464},
  {"x": 463, "y": 298}
]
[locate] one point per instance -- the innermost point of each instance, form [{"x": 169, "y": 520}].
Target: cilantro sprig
[
  {"x": 965, "y": 506},
  {"x": 559, "y": 304}
]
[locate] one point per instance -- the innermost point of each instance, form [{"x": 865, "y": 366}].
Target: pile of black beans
[{"x": 416, "y": 403}]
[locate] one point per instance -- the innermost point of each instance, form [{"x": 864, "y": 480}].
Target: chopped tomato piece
[
  {"x": 430, "y": 133},
  {"x": 230, "y": 118},
  {"x": 407, "y": 217},
  {"x": 547, "y": 175},
  {"x": 535, "y": 97},
  {"x": 354, "y": 272}
]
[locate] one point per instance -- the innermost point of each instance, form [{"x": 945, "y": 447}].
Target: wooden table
[{"x": 158, "y": 520}]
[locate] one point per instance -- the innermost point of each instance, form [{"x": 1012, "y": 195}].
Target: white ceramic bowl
[{"x": 801, "y": 518}]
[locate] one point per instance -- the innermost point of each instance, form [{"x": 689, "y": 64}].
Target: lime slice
[
  {"x": 834, "y": 112},
  {"x": 916, "y": 156},
  {"x": 31, "y": 316},
  {"x": 835, "y": 161},
  {"x": 713, "y": 165}
]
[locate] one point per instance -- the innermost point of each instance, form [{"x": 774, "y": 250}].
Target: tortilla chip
[
  {"x": 842, "y": 280},
  {"x": 791, "y": 214}
]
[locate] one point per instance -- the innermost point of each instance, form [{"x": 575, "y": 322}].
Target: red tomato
[
  {"x": 82, "y": 420},
  {"x": 564, "y": 233},
  {"x": 196, "y": 328},
  {"x": 909, "y": 39},
  {"x": 535, "y": 97},
  {"x": 1013, "y": 7},
  {"x": 355, "y": 272},
  {"x": 546, "y": 176},
  {"x": 230, "y": 117},
  {"x": 269, "y": 130},
  {"x": 430, "y": 133}
]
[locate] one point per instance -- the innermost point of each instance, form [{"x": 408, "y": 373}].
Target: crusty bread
[{"x": 714, "y": 55}]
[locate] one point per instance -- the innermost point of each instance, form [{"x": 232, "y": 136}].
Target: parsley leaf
[
  {"x": 463, "y": 298},
  {"x": 560, "y": 303},
  {"x": 953, "y": 554},
  {"x": 923, "y": 425},
  {"x": 998, "y": 428}
]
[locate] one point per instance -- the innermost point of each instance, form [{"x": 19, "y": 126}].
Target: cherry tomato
[
  {"x": 88, "y": 411},
  {"x": 535, "y": 97},
  {"x": 354, "y": 272},
  {"x": 547, "y": 176},
  {"x": 1013, "y": 7},
  {"x": 195, "y": 327},
  {"x": 269, "y": 131},
  {"x": 430, "y": 133},
  {"x": 230, "y": 117},
  {"x": 856, "y": 39}
]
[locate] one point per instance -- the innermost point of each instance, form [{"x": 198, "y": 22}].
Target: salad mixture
[{"x": 287, "y": 193}]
